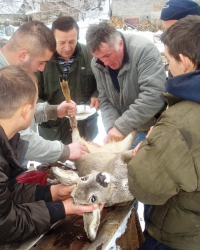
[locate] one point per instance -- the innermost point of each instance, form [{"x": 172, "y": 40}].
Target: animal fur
[{"x": 102, "y": 177}]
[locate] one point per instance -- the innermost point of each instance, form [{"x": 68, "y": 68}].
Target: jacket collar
[
  {"x": 171, "y": 99},
  {"x": 14, "y": 150}
]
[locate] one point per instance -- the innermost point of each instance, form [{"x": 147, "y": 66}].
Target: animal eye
[
  {"x": 93, "y": 198},
  {"x": 84, "y": 178}
]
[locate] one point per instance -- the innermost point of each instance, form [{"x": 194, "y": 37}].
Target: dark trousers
[{"x": 152, "y": 244}]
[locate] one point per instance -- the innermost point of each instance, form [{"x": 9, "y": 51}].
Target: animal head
[
  {"x": 103, "y": 177},
  {"x": 95, "y": 187}
]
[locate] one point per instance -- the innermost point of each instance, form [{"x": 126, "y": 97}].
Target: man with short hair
[
  {"x": 71, "y": 59},
  {"x": 31, "y": 46},
  {"x": 165, "y": 172},
  {"x": 130, "y": 79},
  {"x": 26, "y": 209}
]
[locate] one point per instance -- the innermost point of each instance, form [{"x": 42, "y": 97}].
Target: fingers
[
  {"x": 84, "y": 148},
  {"x": 106, "y": 139},
  {"x": 94, "y": 102},
  {"x": 68, "y": 189},
  {"x": 135, "y": 150},
  {"x": 72, "y": 109},
  {"x": 101, "y": 206},
  {"x": 71, "y": 208}
]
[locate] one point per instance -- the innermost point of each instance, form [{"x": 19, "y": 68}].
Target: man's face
[
  {"x": 167, "y": 24},
  {"x": 175, "y": 67},
  {"x": 111, "y": 56},
  {"x": 66, "y": 42},
  {"x": 37, "y": 63}
]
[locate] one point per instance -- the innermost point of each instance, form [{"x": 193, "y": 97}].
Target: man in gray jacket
[
  {"x": 130, "y": 79},
  {"x": 31, "y": 46}
]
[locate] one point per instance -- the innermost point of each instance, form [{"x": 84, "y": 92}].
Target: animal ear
[
  {"x": 91, "y": 223},
  {"x": 66, "y": 177},
  {"x": 103, "y": 179}
]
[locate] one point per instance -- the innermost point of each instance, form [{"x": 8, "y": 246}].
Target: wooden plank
[{"x": 70, "y": 234}]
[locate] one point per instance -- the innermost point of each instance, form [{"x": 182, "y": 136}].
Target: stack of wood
[
  {"x": 117, "y": 22},
  {"x": 146, "y": 26}
]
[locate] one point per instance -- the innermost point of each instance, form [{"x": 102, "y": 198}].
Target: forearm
[
  {"x": 45, "y": 112},
  {"x": 41, "y": 150}
]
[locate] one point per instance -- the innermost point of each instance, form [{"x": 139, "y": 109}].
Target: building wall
[{"x": 141, "y": 9}]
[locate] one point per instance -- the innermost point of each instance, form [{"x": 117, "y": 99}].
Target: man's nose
[
  {"x": 106, "y": 62},
  {"x": 41, "y": 67},
  {"x": 67, "y": 47}
]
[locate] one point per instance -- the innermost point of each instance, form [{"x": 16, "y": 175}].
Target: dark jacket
[
  {"x": 25, "y": 209},
  {"x": 82, "y": 85},
  {"x": 165, "y": 173}
]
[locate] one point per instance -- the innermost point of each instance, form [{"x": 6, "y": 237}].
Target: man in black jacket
[{"x": 25, "y": 209}]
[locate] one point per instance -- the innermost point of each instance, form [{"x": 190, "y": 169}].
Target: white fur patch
[{"x": 107, "y": 180}]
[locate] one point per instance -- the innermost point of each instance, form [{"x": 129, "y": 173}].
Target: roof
[{"x": 11, "y": 7}]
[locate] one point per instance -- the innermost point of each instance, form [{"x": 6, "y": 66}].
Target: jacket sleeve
[
  {"x": 41, "y": 150},
  {"x": 162, "y": 166},
  {"x": 151, "y": 82},
  {"x": 20, "y": 215},
  {"x": 44, "y": 111}
]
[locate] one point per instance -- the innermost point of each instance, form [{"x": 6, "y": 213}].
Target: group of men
[{"x": 123, "y": 75}]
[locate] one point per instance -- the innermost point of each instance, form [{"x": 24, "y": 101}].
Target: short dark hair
[
  {"x": 101, "y": 33},
  {"x": 183, "y": 37},
  {"x": 65, "y": 23},
  {"x": 33, "y": 36},
  {"x": 17, "y": 87}
]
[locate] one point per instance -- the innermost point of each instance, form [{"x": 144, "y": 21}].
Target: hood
[{"x": 185, "y": 86}]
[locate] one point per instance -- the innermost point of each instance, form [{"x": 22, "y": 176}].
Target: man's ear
[
  {"x": 121, "y": 42},
  {"x": 187, "y": 63},
  {"x": 23, "y": 55},
  {"x": 25, "y": 109}
]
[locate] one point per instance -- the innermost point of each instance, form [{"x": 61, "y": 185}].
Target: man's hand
[
  {"x": 149, "y": 132},
  {"x": 77, "y": 150},
  {"x": 61, "y": 192},
  {"x": 65, "y": 109},
  {"x": 71, "y": 208},
  {"x": 113, "y": 135},
  {"x": 94, "y": 102},
  {"x": 135, "y": 150}
]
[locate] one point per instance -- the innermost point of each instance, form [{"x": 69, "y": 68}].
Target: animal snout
[{"x": 103, "y": 179}]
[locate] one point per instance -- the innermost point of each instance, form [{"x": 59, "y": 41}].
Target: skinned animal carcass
[{"x": 102, "y": 177}]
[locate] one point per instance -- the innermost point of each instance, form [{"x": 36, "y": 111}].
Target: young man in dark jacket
[
  {"x": 25, "y": 209},
  {"x": 165, "y": 170},
  {"x": 73, "y": 60}
]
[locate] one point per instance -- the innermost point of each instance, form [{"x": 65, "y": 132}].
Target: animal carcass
[{"x": 102, "y": 177}]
